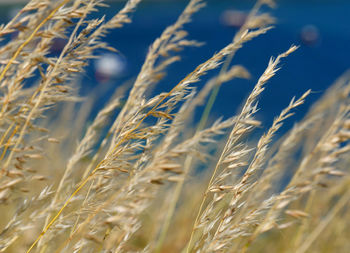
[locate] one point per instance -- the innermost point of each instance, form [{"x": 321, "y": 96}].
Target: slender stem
[
  {"x": 20, "y": 48},
  {"x": 188, "y": 161},
  {"x": 171, "y": 210},
  {"x": 125, "y": 137},
  {"x": 208, "y": 109},
  {"x": 322, "y": 225},
  {"x": 7, "y": 144},
  {"x": 4, "y": 71}
]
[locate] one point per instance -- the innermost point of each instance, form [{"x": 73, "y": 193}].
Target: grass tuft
[{"x": 128, "y": 180}]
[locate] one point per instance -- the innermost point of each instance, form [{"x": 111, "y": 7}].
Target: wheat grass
[{"x": 98, "y": 187}]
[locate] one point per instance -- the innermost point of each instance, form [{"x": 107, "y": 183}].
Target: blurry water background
[{"x": 320, "y": 28}]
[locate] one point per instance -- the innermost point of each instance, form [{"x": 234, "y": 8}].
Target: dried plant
[{"x": 125, "y": 181}]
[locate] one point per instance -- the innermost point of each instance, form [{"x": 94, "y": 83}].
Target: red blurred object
[
  {"x": 233, "y": 18},
  {"x": 310, "y": 35}
]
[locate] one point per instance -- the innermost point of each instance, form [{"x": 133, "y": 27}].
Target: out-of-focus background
[{"x": 320, "y": 28}]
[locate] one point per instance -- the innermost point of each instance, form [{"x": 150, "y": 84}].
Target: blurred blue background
[{"x": 320, "y": 28}]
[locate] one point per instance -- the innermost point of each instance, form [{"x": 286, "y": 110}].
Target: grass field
[{"x": 145, "y": 175}]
